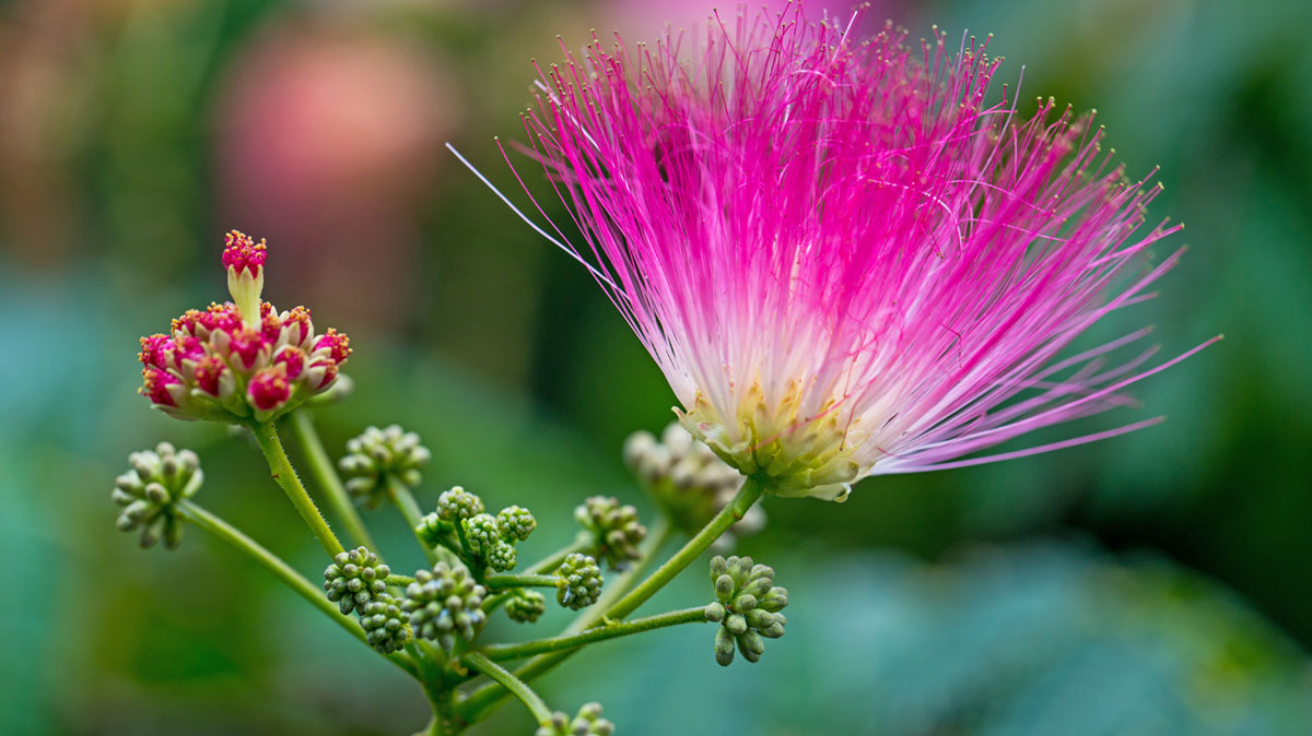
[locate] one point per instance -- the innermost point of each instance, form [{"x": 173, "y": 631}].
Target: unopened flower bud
[
  {"x": 356, "y": 579},
  {"x": 150, "y": 491},
  {"x": 501, "y": 557},
  {"x": 588, "y": 722},
  {"x": 525, "y": 606},
  {"x": 384, "y": 624},
  {"x": 691, "y": 483},
  {"x": 516, "y": 523},
  {"x": 481, "y": 534},
  {"x": 457, "y": 504},
  {"x": 614, "y": 529},
  {"x": 444, "y": 605},
  {"x": 578, "y": 581},
  {"x": 378, "y": 457},
  {"x": 747, "y": 609}
]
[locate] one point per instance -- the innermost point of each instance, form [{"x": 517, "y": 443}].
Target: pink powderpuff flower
[
  {"x": 844, "y": 258},
  {"x": 243, "y": 360}
]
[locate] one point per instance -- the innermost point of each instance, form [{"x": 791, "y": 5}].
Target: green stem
[
  {"x": 731, "y": 514},
  {"x": 502, "y": 652},
  {"x": 502, "y": 582},
  {"x": 399, "y": 580},
  {"x": 321, "y": 467},
  {"x": 285, "y": 474},
  {"x": 405, "y": 502},
  {"x": 517, "y": 687},
  {"x": 281, "y": 570}
]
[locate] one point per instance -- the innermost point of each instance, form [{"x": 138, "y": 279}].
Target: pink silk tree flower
[{"x": 844, "y": 257}]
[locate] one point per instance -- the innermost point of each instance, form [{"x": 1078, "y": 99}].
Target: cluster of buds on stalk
[
  {"x": 241, "y": 360},
  {"x": 379, "y": 457},
  {"x": 748, "y": 608},
  {"x": 689, "y": 481},
  {"x": 588, "y": 722},
  {"x": 150, "y": 491},
  {"x": 462, "y": 524},
  {"x": 613, "y": 530}
]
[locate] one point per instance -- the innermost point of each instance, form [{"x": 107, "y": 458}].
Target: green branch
[
  {"x": 285, "y": 475},
  {"x": 281, "y": 570},
  {"x": 731, "y": 514},
  {"x": 503, "y": 652},
  {"x": 405, "y": 502},
  {"x": 321, "y": 467},
  {"x": 518, "y": 688},
  {"x": 502, "y": 582}
]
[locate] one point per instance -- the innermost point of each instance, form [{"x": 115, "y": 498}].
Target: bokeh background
[{"x": 1157, "y": 583}]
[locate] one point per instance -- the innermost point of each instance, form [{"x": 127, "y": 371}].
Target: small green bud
[
  {"x": 515, "y": 523},
  {"x": 148, "y": 494},
  {"x": 430, "y": 530},
  {"x": 481, "y": 534},
  {"x": 747, "y": 609},
  {"x": 689, "y": 481},
  {"x": 355, "y": 579},
  {"x": 588, "y": 722},
  {"x": 724, "y": 588},
  {"x": 384, "y": 624},
  {"x": 614, "y": 529},
  {"x": 378, "y": 457},
  {"x": 457, "y": 504},
  {"x": 578, "y": 581},
  {"x": 752, "y": 646},
  {"x": 724, "y": 647},
  {"x": 445, "y": 605},
  {"x": 525, "y": 606},
  {"x": 501, "y": 557}
]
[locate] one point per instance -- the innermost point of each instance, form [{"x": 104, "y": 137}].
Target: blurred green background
[{"x": 1157, "y": 583}]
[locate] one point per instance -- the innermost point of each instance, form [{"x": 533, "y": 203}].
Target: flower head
[
  {"x": 845, "y": 260},
  {"x": 242, "y": 359}
]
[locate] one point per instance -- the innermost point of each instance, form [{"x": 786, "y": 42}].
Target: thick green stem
[
  {"x": 518, "y": 688},
  {"x": 285, "y": 474},
  {"x": 321, "y": 467},
  {"x": 503, "y": 582},
  {"x": 731, "y": 514},
  {"x": 503, "y": 652},
  {"x": 284, "y": 572},
  {"x": 405, "y": 502}
]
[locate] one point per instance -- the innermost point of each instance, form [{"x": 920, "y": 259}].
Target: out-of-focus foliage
[{"x": 132, "y": 134}]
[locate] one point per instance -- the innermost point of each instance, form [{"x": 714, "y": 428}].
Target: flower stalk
[
  {"x": 283, "y": 472},
  {"x": 321, "y": 468}
]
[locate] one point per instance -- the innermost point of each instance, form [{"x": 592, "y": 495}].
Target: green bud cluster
[
  {"x": 458, "y": 504},
  {"x": 355, "y": 579},
  {"x": 615, "y": 530},
  {"x": 379, "y": 456},
  {"x": 688, "y": 479},
  {"x": 487, "y": 539},
  {"x": 445, "y": 604},
  {"x": 149, "y": 492},
  {"x": 384, "y": 624},
  {"x": 578, "y": 583},
  {"x": 588, "y": 722},
  {"x": 515, "y": 522},
  {"x": 525, "y": 606},
  {"x": 748, "y": 608}
]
